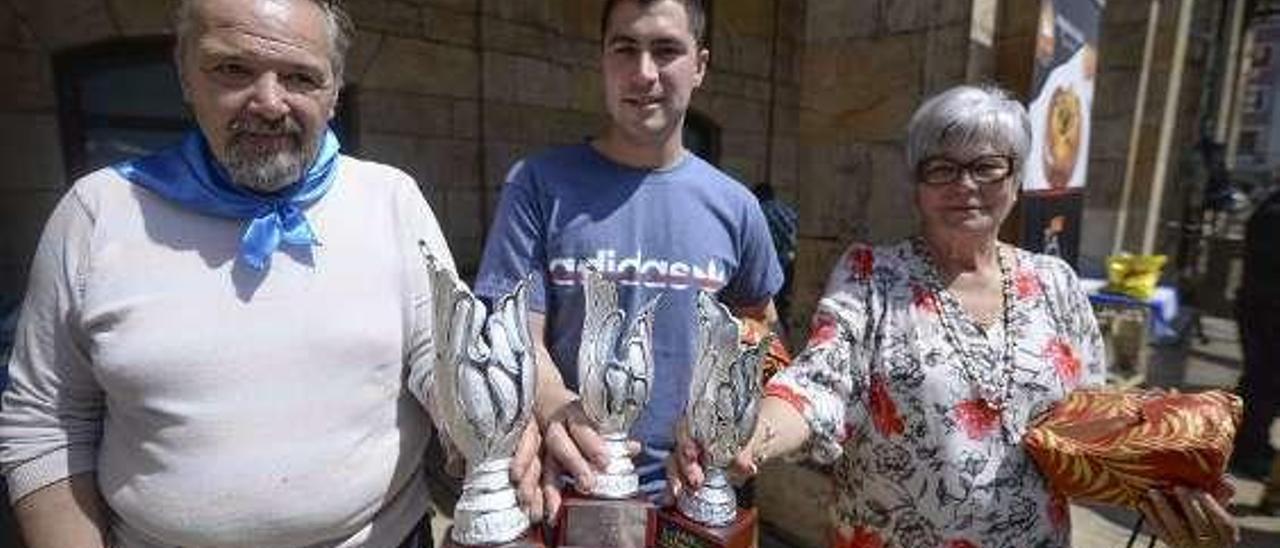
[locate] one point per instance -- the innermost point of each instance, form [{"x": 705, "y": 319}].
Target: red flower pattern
[
  {"x": 961, "y": 543},
  {"x": 1026, "y": 284},
  {"x": 884, "y": 413},
  {"x": 823, "y": 330},
  {"x": 1065, "y": 361},
  {"x": 924, "y": 299},
  {"x": 787, "y": 394},
  {"x": 860, "y": 262},
  {"x": 860, "y": 537},
  {"x": 977, "y": 418}
]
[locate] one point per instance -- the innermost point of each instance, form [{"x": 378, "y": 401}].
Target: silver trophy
[
  {"x": 483, "y": 392},
  {"x": 615, "y": 378},
  {"x": 724, "y": 400}
]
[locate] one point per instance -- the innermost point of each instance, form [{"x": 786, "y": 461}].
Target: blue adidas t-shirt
[{"x": 672, "y": 232}]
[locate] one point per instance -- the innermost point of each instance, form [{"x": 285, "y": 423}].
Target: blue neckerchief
[{"x": 189, "y": 175}]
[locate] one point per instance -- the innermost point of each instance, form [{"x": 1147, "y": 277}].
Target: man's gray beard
[{"x": 265, "y": 172}]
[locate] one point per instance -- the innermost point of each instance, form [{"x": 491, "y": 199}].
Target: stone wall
[
  {"x": 1121, "y": 40},
  {"x": 452, "y": 91},
  {"x": 866, "y": 64}
]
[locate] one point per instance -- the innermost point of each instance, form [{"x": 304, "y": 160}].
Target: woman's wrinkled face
[{"x": 967, "y": 190}]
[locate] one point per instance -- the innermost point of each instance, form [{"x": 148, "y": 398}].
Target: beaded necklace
[{"x": 991, "y": 384}]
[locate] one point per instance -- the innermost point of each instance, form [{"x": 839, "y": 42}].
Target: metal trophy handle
[
  {"x": 615, "y": 378},
  {"x": 724, "y": 401},
  {"x": 483, "y": 390}
]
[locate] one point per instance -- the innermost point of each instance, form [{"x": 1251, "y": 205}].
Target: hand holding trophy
[
  {"x": 615, "y": 378},
  {"x": 483, "y": 392},
  {"x": 724, "y": 401}
]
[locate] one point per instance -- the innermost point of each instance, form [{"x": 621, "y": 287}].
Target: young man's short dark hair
[{"x": 697, "y": 14}]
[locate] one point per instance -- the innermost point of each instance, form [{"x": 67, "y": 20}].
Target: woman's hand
[{"x": 1190, "y": 518}]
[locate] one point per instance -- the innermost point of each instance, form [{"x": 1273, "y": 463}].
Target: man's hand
[
  {"x": 526, "y": 472},
  {"x": 570, "y": 444},
  {"x": 1189, "y": 519}
]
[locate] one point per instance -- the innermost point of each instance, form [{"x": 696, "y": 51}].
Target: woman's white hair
[{"x": 968, "y": 117}]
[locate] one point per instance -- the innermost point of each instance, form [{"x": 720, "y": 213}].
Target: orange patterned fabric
[{"x": 1111, "y": 446}]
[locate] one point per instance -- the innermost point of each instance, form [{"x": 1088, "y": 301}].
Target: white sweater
[{"x": 220, "y": 406}]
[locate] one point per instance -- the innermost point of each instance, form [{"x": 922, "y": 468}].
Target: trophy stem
[
  {"x": 487, "y": 513},
  {"x": 619, "y": 479},
  {"x": 713, "y": 504}
]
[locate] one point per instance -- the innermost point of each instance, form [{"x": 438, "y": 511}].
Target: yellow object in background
[{"x": 1134, "y": 275}]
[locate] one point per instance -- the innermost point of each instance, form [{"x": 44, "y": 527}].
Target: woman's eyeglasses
[{"x": 983, "y": 170}]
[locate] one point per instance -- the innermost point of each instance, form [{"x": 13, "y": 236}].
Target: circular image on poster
[{"x": 1062, "y": 136}]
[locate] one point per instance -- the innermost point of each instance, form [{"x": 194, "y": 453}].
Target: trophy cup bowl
[
  {"x": 615, "y": 379},
  {"x": 724, "y": 401},
  {"x": 483, "y": 391}
]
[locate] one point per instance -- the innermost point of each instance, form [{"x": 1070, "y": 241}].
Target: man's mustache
[{"x": 258, "y": 126}]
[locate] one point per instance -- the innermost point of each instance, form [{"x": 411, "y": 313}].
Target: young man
[
  {"x": 645, "y": 212},
  {"x": 190, "y": 368}
]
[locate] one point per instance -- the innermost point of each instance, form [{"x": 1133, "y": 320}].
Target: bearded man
[{"x": 228, "y": 343}]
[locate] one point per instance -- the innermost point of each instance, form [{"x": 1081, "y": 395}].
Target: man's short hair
[
  {"x": 697, "y": 15},
  {"x": 340, "y": 30}
]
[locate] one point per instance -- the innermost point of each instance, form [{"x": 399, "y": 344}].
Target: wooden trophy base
[
  {"x": 531, "y": 539},
  {"x": 677, "y": 531},
  {"x": 594, "y": 523}
]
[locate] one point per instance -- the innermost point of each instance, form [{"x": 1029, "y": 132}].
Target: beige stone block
[
  {"x": 449, "y": 25},
  {"x": 66, "y": 23},
  {"x": 407, "y": 113},
  {"x": 422, "y": 67},
  {"x": 827, "y": 21},
  {"x": 738, "y": 114},
  {"x": 577, "y": 53},
  {"x": 451, "y": 163},
  {"x": 392, "y": 17},
  {"x": 364, "y": 48},
  {"x": 33, "y": 146},
  {"x": 838, "y": 186},
  {"x": 891, "y": 214},
  {"x": 537, "y": 12},
  {"x": 526, "y": 80},
  {"x": 400, "y": 151},
  {"x": 838, "y": 74},
  {"x": 947, "y": 57},
  {"x": 468, "y": 6},
  {"x": 28, "y": 80},
  {"x": 917, "y": 15},
  {"x": 588, "y": 91},
  {"x": 516, "y": 38},
  {"x": 464, "y": 226},
  {"x": 466, "y": 119},
  {"x": 744, "y": 18},
  {"x": 142, "y": 17},
  {"x": 581, "y": 19},
  {"x": 571, "y": 126}
]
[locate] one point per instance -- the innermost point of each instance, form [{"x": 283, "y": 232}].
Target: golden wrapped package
[
  {"x": 1112, "y": 446},
  {"x": 1134, "y": 275}
]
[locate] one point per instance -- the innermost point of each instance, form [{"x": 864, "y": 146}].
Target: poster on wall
[{"x": 1055, "y": 175}]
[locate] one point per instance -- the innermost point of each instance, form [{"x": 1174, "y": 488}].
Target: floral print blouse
[{"x": 920, "y": 460}]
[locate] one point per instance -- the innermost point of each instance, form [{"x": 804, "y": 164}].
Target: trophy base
[
  {"x": 531, "y": 539},
  {"x": 677, "y": 531},
  {"x": 592, "y": 523}
]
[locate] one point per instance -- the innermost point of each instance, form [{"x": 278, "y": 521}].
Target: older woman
[{"x": 928, "y": 357}]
